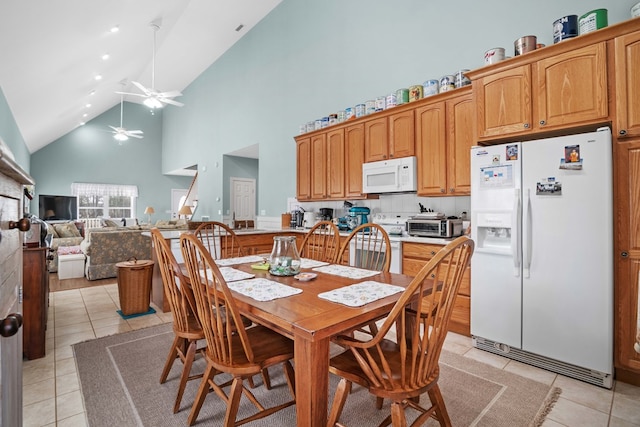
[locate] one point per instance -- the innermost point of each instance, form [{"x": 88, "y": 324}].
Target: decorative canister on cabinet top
[
  {"x": 525, "y": 44},
  {"x": 402, "y": 96},
  {"x": 593, "y": 20},
  {"x": 415, "y": 93},
  {"x": 430, "y": 87},
  {"x": 565, "y": 28},
  {"x": 635, "y": 10},
  {"x": 284, "y": 260},
  {"x": 447, "y": 83}
]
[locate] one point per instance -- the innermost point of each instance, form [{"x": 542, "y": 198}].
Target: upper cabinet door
[
  {"x": 627, "y": 51},
  {"x": 335, "y": 163},
  {"x": 460, "y": 139},
  {"x": 402, "y": 134},
  {"x": 503, "y": 102},
  {"x": 354, "y": 158},
  {"x": 303, "y": 170},
  {"x": 431, "y": 142},
  {"x": 319, "y": 167},
  {"x": 376, "y": 144},
  {"x": 572, "y": 87}
]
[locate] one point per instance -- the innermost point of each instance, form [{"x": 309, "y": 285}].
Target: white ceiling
[{"x": 50, "y": 52}]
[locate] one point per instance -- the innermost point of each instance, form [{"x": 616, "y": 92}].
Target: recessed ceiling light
[
  {"x": 85, "y": 115},
  {"x": 239, "y": 27},
  {"x": 115, "y": 29},
  {"x": 105, "y": 56},
  {"x": 82, "y": 123},
  {"x": 98, "y": 77},
  {"x": 93, "y": 92},
  {"x": 88, "y": 105}
]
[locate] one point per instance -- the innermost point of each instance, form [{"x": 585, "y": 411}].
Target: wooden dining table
[{"x": 311, "y": 322}]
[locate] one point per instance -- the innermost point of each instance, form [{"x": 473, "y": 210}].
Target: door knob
[
  {"x": 10, "y": 325},
  {"x": 22, "y": 224}
]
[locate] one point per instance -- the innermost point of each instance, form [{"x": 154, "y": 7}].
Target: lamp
[
  {"x": 49, "y": 213},
  {"x": 185, "y": 210},
  {"x": 148, "y": 211}
]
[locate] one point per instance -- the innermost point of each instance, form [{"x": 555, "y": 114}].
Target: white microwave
[{"x": 389, "y": 176}]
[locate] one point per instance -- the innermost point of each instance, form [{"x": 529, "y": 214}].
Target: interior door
[
  {"x": 243, "y": 198},
  {"x": 10, "y": 302}
]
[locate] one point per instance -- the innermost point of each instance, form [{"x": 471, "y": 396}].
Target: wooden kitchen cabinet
[
  {"x": 627, "y": 66},
  {"x": 572, "y": 88},
  {"x": 303, "y": 169},
  {"x": 503, "y": 102},
  {"x": 389, "y": 136},
  {"x": 554, "y": 92},
  {"x": 417, "y": 255},
  {"x": 35, "y": 305},
  {"x": 319, "y": 167},
  {"x": 627, "y": 260},
  {"x": 353, "y": 160},
  {"x": 444, "y": 137},
  {"x": 335, "y": 164},
  {"x": 262, "y": 243}
]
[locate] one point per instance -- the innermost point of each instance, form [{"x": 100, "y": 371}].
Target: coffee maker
[
  {"x": 358, "y": 215},
  {"x": 326, "y": 214}
]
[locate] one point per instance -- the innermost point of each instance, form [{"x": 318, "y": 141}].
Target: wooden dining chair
[
  {"x": 186, "y": 327},
  {"x": 368, "y": 246},
  {"x": 220, "y": 240},
  {"x": 407, "y": 368},
  {"x": 371, "y": 244},
  {"x": 231, "y": 348},
  {"x": 321, "y": 243}
]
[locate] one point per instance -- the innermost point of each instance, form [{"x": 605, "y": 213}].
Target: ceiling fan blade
[
  {"x": 135, "y": 131},
  {"x": 136, "y": 136},
  {"x": 170, "y": 94},
  {"x": 142, "y": 88},
  {"x": 132, "y": 94},
  {"x": 171, "y": 101},
  {"x": 115, "y": 129}
]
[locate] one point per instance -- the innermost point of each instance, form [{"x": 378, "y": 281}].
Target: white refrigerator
[{"x": 542, "y": 270}]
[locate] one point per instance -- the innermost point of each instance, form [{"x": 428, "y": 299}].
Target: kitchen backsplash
[{"x": 407, "y": 204}]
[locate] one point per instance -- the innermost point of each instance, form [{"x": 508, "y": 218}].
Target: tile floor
[{"x": 52, "y": 397}]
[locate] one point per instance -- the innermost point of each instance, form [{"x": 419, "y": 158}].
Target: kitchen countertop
[{"x": 175, "y": 234}]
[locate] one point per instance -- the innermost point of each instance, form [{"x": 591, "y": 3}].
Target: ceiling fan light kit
[
  {"x": 121, "y": 134},
  {"x": 154, "y": 98}
]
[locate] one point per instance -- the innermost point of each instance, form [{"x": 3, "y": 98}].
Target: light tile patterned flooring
[{"x": 52, "y": 397}]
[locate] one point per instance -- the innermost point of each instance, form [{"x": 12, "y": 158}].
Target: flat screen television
[{"x": 58, "y": 207}]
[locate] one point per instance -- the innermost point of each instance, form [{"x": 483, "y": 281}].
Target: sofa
[
  {"x": 63, "y": 234},
  {"x": 105, "y": 247}
]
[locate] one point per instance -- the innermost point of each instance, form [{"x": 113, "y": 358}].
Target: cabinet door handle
[
  {"x": 622, "y": 132},
  {"x": 452, "y": 190},
  {"x": 624, "y": 254},
  {"x": 442, "y": 190},
  {"x": 542, "y": 123},
  {"x": 526, "y": 125},
  {"x": 10, "y": 325}
]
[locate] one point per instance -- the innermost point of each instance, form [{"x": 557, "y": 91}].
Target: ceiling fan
[
  {"x": 154, "y": 98},
  {"x": 121, "y": 134}
]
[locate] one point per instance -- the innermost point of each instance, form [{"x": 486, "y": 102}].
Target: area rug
[{"x": 119, "y": 379}]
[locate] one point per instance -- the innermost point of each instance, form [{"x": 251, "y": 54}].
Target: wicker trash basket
[{"x": 134, "y": 286}]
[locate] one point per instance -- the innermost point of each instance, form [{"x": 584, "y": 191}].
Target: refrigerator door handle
[
  {"x": 515, "y": 233},
  {"x": 528, "y": 227}
]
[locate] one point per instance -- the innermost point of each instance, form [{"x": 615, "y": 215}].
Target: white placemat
[
  {"x": 239, "y": 260},
  {"x": 311, "y": 263},
  {"x": 346, "y": 271},
  {"x": 231, "y": 274},
  {"x": 361, "y": 293},
  {"x": 261, "y": 289}
]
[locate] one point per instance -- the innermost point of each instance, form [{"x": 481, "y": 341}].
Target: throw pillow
[
  {"x": 51, "y": 230},
  {"x": 109, "y": 223},
  {"x": 67, "y": 229}
]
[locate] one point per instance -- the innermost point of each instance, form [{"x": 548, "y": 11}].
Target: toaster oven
[{"x": 434, "y": 227}]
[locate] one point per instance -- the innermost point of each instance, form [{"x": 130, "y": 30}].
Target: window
[{"x": 105, "y": 200}]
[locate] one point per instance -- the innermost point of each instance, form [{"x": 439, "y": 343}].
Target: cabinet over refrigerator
[{"x": 542, "y": 272}]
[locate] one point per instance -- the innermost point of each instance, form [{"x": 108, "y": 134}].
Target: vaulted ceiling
[{"x": 51, "y": 53}]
